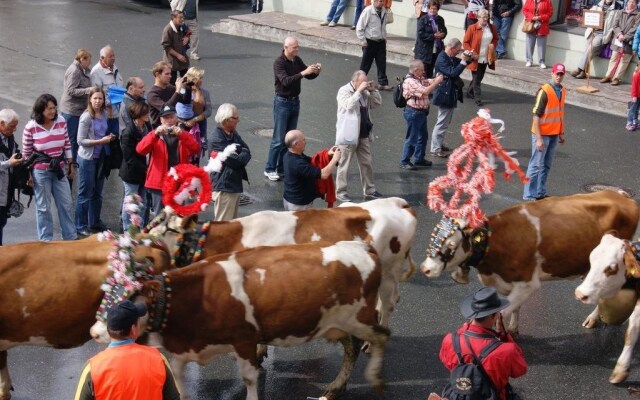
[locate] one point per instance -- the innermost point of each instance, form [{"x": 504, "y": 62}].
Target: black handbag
[{"x": 115, "y": 154}]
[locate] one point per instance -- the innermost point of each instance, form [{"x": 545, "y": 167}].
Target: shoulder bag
[
  {"x": 347, "y": 128},
  {"x": 531, "y": 26}
]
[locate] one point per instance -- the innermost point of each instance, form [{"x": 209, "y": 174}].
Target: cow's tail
[{"x": 412, "y": 267}]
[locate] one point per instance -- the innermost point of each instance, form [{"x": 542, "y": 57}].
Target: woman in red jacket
[
  {"x": 481, "y": 38},
  {"x": 539, "y": 12},
  {"x": 167, "y": 145}
]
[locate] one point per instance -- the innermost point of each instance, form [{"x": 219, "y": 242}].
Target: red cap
[{"x": 558, "y": 68}]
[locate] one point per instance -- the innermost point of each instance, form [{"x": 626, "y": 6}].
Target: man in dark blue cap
[
  {"x": 484, "y": 327},
  {"x": 127, "y": 370}
]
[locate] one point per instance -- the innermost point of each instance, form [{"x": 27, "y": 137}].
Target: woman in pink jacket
[{"x": 538, "y": 11}]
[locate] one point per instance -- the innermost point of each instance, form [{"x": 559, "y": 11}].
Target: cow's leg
[
  {"x": 621, "y": 371},
  {"x": 519, "y": 294},
  {"x": 351, "y": 345},
  {"x": 461, "y": 275},
  {"x": 378, "y": 340},
  {"x": 5, "y": 379},
  {"x": 592, "y": 319},
  {"x": 177, "y": 366},
  {"x": 248, "y": 367}
]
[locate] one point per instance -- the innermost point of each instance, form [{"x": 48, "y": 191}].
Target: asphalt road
[{"x": 39, "y": 39}]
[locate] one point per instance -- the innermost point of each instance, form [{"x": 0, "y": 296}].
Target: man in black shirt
[
  {"x": 288, "y": 70},
  {"x": 300, "y": 175}
]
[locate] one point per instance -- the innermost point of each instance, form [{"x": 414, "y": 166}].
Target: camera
[
  {"x": 467, "y": 53},
  {"x": 18, "y": 155}
]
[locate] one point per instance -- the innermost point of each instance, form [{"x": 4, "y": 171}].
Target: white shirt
[{"x": 371, "y": 26}]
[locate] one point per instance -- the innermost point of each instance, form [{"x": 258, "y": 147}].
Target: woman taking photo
[
  {"x": 134, "y": 166},
  {"x": 481, "y": 38},
  {"x": 430, "y": 37},
  {"x": 539, "y": 13},
  {"x": 93, "y": 141},
  {"x": 77, "y": 85},
  {"x": 46, "y": 137},
  {"x": 196, "y": 112}
]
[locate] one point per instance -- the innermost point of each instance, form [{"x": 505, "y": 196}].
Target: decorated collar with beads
[
  {"x": 443, "y": 230},
  {"x": 189, "y": 247},
  {"x": 161, "y": 306},
  {"x": 479, "y": 240}
]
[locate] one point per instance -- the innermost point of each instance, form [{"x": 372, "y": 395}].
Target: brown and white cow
[
  {"x": 281, "y": 296},
  {"x": 50, "y": 293},
  {"x": 389, "y": 225},
  {"x": 613, "y": 265},
  {"x": 535, "y": 241}
]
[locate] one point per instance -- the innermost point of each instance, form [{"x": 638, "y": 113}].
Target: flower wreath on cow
[{"x": 481, "y": 148}]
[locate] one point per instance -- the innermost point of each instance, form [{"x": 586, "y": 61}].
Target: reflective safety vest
[
  {"x": 551, "y": 120},
  {"x": 126, "y": 372}
]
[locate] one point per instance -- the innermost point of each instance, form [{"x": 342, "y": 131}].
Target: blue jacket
[
  {"x": 636, "y": 42},
  {"x": 233, "y": 170},
  {"x": 446, "y": 95}
]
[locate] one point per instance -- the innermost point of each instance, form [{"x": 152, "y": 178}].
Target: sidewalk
[{"x": 509, "y": 74}]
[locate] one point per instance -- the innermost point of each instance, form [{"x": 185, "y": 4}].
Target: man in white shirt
[{"x": 372, "y": 33}]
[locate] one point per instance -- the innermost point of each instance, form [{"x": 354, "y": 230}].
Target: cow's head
[
  {"x": 170, "y": 226},
  {"x": 612, "y": 262},
  {"x": 448, "y": 247}
]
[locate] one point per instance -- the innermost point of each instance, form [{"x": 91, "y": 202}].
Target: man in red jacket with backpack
[{"x": 505, "y": 361}]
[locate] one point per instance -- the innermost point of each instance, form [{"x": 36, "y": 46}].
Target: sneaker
[
  {"x": 440, "y": 154},
  {"x": 423, "y": 163},
  {"x": 543, "y": 66},
  {"x": 194, "y": 56},
  {"x": 542, "y": 197},
  {"x": 630, "y": 127},
  {"x": 83, "y": 234},
  {"x": 528, "y": 64},
  {"x": 332, "y": 24},
  {"x": 343, "y": 197},
  {"x": 374, "y": 195},
  {"x": 324, "y": 23},
  {"x": 353, "y": 28},
  {"x": 272, "y": 176},
  {"x": 409, "y": 167}
]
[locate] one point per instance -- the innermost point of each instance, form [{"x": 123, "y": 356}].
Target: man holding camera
[
  {"x": 358, "y": 96},
  {"x": 163, "y": 93},
  {"x": 289, "y": 69},
  {"x": 9, "y": 159},
  {"x": 167, "y": 146},
  {"x": 447, "y": 94}
]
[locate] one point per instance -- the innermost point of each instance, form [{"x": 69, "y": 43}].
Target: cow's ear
[
  {"x": 189, "y": 222},
  {"x": 630, "y": 262}
]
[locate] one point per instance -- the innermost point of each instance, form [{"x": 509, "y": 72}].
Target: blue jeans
[
  {"x": 285, "y": 119},
  {"x": 156, "y": 201},
  {"x": 72, "y": 129},
  {"x": 632, "y": 116},
  {"x": 45, "y": 185},
  {"x": 539, "y": 166},
  {"x": 415, "y": 142},
  {"x": 89, "y": 201},
  {"x": 336, "y": 10},
  {"x": 131, "y": 189},
  {"x": 503, "y": 25},
  {"x": 359, "y": 8}
]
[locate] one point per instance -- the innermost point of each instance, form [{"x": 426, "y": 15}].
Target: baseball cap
[
  {"x": 558, "y": 68},
  {"x": 124, "y": 315},
  {"x": 166, "y": 110}
]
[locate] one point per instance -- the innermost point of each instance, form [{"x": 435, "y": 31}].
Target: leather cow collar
[
  {"x": 477, "y": 240},
  {"x": 161, "y": 305}
]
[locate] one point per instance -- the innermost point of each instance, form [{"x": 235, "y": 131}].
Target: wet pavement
[{"x": 566, "y": 361}]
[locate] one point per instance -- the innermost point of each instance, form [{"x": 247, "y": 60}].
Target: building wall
[{"x": 563, "y": 47}]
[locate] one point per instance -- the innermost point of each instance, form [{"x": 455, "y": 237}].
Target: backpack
[
  {"x": 398, "y": 98},
  {"x": 469, "y": 381}
]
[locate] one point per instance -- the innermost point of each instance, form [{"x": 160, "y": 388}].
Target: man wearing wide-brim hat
[{"x": 482, "y": 309}]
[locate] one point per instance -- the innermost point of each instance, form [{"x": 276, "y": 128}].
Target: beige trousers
[
  {"x": 195, "y": 34},
  {"x": 362, "y": 151},
  {"x": 622, "y": 66},
  {"x": 226, "y": 206}
]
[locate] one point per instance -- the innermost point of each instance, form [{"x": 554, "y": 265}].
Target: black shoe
[
  {"x": 374, "y": 195},
  {"x": 470, "y": 95},
  {"x": 99, "y": 228},
  {"x": 542, "y": 197},
  {"x": 409, "y": 167},
  {"x": 423, "y": 163},
  {"x": 444, "y": 148},
  {"x": 479, "y": 103}
]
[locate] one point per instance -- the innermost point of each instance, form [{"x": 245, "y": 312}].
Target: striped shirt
[{"x": 51, "y": 142}]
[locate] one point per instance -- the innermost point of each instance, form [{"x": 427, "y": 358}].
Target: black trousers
[
  {"x": 375, "y": 51},
  {"x": 3, "y": 220},
  {"x": 476, "y": 79}
]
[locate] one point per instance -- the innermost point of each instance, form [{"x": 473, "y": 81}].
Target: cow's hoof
[
  {"x": 332, "y": 394},
  {"x": 461, "y": 277},
  {"x": 619, "y": 375},
  {"x": 590, "y": 323}
]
